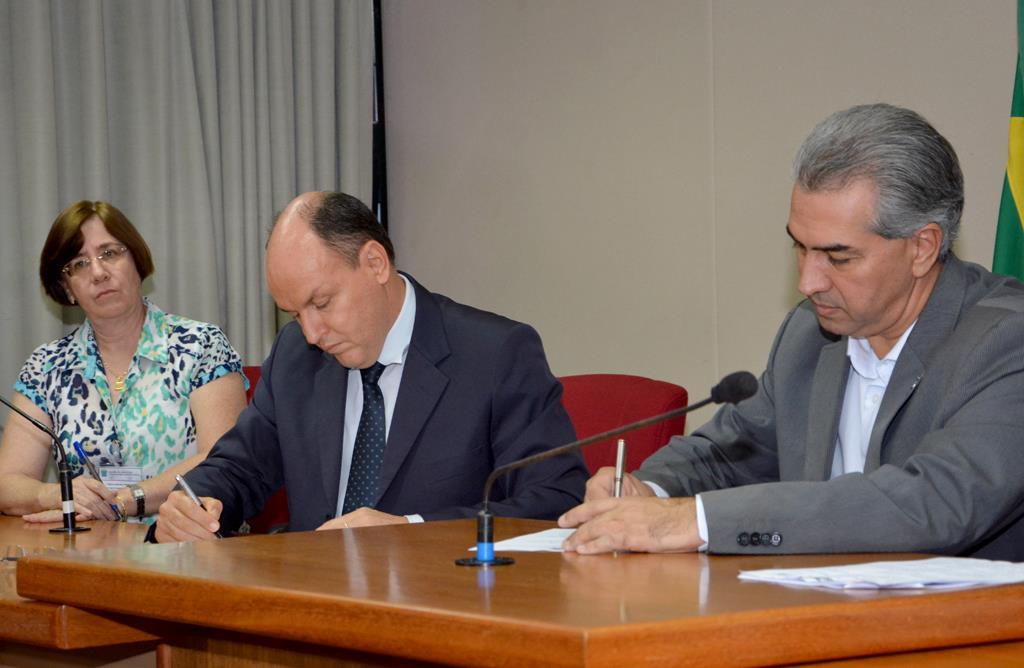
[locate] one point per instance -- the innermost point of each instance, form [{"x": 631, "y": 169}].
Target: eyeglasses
[{"x": 81, "y": 265}]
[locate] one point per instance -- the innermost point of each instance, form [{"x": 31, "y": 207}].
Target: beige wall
[{"x": 617, "y": 173}]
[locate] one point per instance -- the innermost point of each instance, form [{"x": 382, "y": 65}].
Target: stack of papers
[{"x": 936, "y": 573}]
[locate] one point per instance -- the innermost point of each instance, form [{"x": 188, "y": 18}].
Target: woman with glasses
[{"x": 137, "y": 395}]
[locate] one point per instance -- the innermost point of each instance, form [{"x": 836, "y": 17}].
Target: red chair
[
  {"x": 601, "y": 401},
  {"x": 275, "y": 512},
  {"x": 253, "y": 374}
]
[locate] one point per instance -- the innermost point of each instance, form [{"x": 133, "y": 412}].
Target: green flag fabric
[{"x": 1009, "y": 251}]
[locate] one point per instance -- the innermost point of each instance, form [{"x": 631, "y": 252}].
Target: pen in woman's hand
[{"x": 91, "y": 468}]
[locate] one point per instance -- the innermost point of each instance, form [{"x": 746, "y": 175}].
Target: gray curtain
[{"x": 198, "y": 119}]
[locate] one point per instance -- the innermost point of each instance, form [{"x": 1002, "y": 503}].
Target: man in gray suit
[{"x": 891, "y": 412}]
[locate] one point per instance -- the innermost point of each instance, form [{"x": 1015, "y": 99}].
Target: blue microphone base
[{"x": 496, "y": 561}]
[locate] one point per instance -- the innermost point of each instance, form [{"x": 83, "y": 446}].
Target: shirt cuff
[
  {"x": 414, "y": 519},
  {"x": 702, "y": 524},
  {"x": 658, "y": 490}
]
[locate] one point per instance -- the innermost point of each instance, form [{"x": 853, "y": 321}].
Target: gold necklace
[{"x": 119, "y": 379}]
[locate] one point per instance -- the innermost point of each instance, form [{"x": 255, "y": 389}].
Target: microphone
[
  {"x": 67, "y": 501},
  {"x": 732, "y": 389}
]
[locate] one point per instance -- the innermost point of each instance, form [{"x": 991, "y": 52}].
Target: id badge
[{"x": 116, "y": 477}]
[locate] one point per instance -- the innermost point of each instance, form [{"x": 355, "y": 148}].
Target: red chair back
[
  {"x": 253, "y": 374},
  {"x": 601, "y": 401},
  {"x": 275, "y": 512}
]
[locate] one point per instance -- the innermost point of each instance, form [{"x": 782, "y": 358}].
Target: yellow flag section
[{"x": 1015, "y": 166}]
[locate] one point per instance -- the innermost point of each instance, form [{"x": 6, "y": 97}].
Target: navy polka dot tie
[{"x": 368, "y": 452}]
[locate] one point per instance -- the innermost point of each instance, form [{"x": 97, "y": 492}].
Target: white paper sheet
[
  {"x": 935, "y": 573},
  {"x": 549, "y": 540}
]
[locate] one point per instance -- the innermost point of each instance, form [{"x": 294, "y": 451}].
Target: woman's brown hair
[{"x": 64, "y": 242}]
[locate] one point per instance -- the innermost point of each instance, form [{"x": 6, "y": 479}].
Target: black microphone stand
[
  {"x": 732, "y": 389},
  {"x": 67, "y": 500}
]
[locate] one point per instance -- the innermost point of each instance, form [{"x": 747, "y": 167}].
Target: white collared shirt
[
  {"x": 392, "y": 356},
  {"x": 865, "y": 387}
]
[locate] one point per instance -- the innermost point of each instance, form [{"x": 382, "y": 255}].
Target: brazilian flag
[{"x": 1009, "y": 252}]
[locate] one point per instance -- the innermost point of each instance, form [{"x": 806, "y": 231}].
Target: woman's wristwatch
[{"x": 139, "y": 495}]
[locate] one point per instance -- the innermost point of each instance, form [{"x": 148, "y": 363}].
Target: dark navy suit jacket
[{"x": 476, "y": 393}]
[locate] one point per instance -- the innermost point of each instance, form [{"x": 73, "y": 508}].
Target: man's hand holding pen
[{"x": 184, "y": 520}]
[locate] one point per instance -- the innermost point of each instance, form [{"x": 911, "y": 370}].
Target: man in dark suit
[{"x": 382, "y": 403}]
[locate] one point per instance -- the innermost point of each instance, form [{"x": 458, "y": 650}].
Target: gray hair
[{"x": 914, "y": 168}]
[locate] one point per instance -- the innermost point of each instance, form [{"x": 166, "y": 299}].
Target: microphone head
[{"x": 734, "y": 388}]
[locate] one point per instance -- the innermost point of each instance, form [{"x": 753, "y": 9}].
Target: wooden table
[
  {"x": 60, "y": 626},
  {"x": 387, "y": 593}
]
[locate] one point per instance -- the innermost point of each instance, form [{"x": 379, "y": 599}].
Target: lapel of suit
[
  {"x": 905, "y": 378},
  {"x": 937, "y": 320},
  {"x": 421, "y": 388},
  {"x": 825, "y": 407},
  {"x": 330, "y": 385}
]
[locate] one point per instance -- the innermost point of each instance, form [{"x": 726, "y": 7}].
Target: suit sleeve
[
  {"x": 736, "y": 447},
  {"x": 244, "y": 467},
  {"x": 527, "y": 417}
]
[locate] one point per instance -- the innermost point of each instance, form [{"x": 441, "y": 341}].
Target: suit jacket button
[
  {"x": 776, "y": 539},
  {"x": 743, "y": 539},
  {"x": 755, "y": 538}
]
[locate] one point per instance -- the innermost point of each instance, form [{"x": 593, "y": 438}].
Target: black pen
[{"x": 195, "y": 499}]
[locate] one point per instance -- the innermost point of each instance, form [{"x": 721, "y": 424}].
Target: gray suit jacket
[{"x": 945, "y": 463}]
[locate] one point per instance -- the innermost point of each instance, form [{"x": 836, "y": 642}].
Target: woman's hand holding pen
[{"x": 92, "y": 501}]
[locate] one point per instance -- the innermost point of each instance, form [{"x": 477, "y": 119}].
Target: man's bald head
[{"x": 340, "y": 221}]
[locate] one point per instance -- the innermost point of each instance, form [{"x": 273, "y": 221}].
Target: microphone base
[
  {"x": 74, "y": 529},
  {"x": 70, "y": 526},
  {"x": 473, "y": 561},
  {"x": 485, "y": 543}
]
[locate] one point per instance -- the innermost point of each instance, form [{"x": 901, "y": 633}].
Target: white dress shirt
[
  {"x": 392, "y": 356},
  {"x": 865, "y": 386}
]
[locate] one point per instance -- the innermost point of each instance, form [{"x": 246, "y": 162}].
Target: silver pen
[
  {"x": 195, "y": 499},
  {"x": 620, "y": 464}
]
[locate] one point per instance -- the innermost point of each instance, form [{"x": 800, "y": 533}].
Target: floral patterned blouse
[{"x": 151, "y": 425}]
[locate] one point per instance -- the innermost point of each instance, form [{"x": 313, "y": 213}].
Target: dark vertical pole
[{"x": 380, "y": 156}]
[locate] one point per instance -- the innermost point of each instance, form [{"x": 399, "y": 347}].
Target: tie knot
[{"x": 372, "y": 374}]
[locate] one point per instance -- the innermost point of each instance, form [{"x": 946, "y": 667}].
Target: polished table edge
[
  {"x": 797, "y": 633},
  {"x": 821, "y": 631},
  {"x": 57, "y": 625},
  {"x": 61, "y": 626}
]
